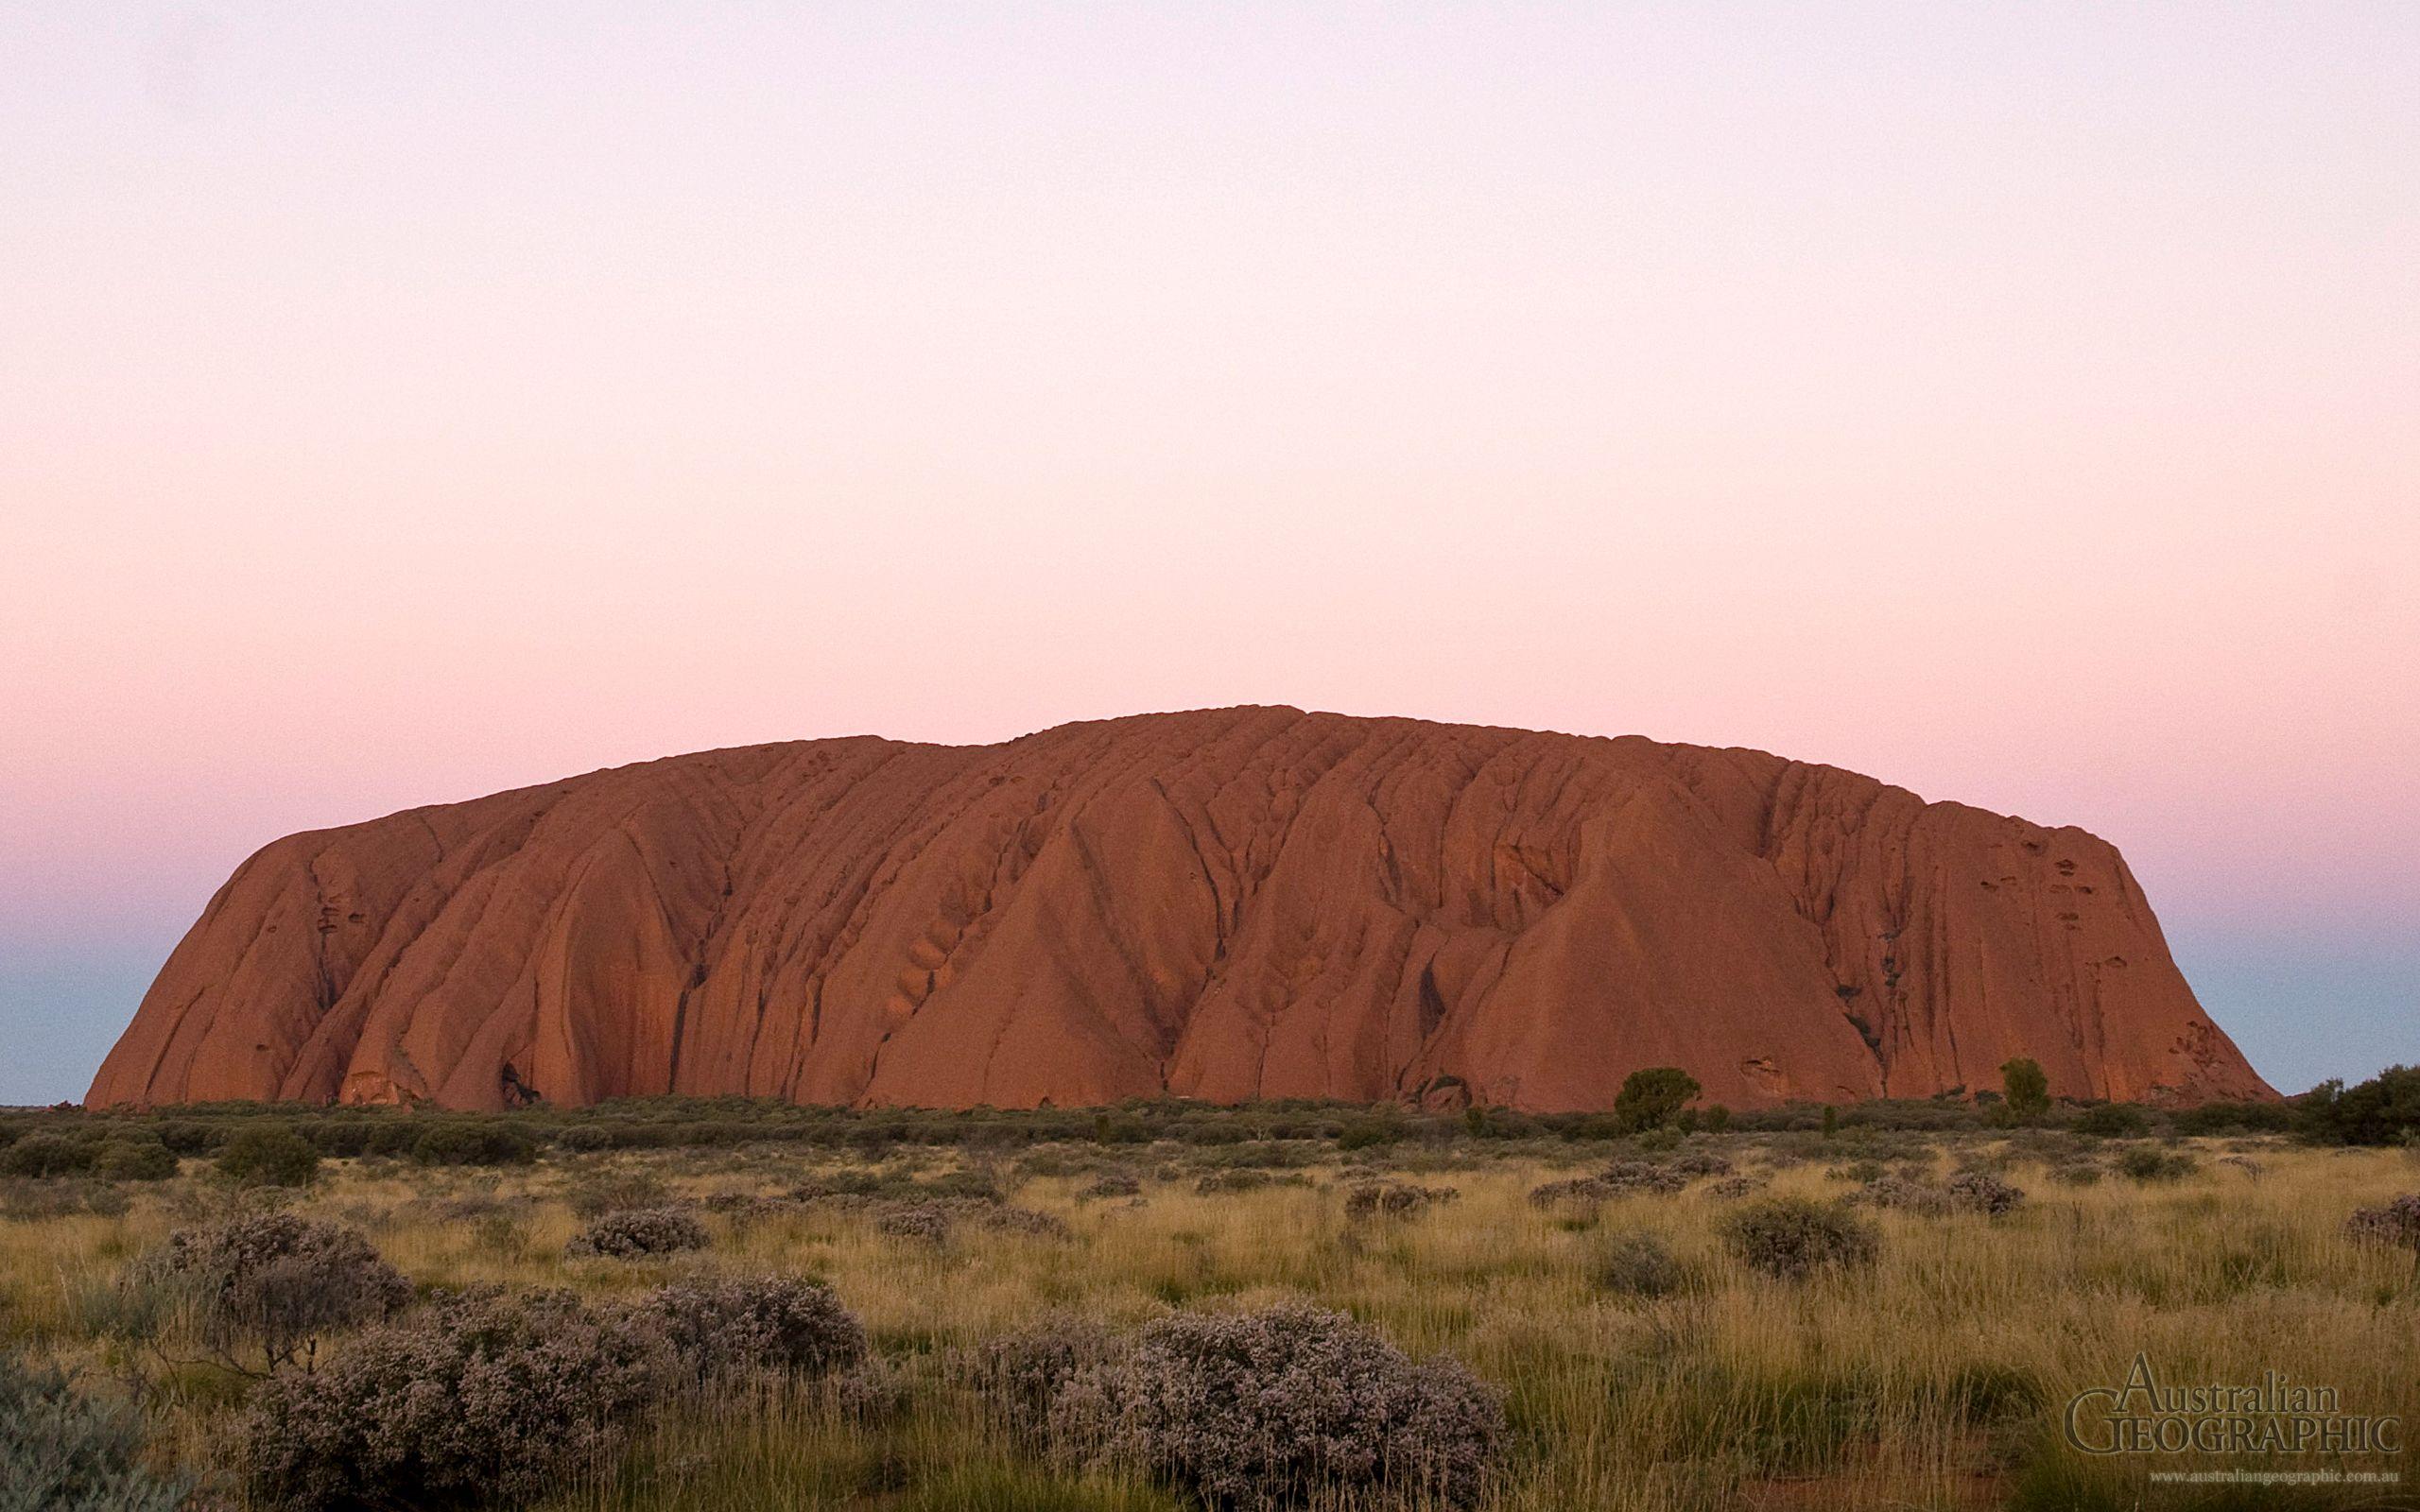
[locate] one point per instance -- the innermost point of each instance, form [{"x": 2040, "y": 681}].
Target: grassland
[{"x": 1934, "y": 1380}]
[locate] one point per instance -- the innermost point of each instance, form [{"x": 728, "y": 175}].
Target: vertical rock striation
[{"x": 1227, "y": 905}]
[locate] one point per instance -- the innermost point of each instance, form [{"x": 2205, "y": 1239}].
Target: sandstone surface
[{"x": 1225, "y": 904}]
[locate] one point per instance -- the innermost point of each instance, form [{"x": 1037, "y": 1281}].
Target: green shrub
[
  {"x": 2112, "y": 1121},
  {"x": 124, "y": 1159},
  {"x": 1792, "y": 1238},
  {"x": 2149, "y": 1162},
  {"x": 275, "y": 1157},
  {"x": 48, "y": 1154},
  {"x": 63, "y": 1452},
  {"x": 474, "y": 1144},
  {"x": 1370, "y": 1133}
]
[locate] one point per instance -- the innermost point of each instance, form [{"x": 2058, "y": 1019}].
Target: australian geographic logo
[{"x": 2276, "y": 1417}]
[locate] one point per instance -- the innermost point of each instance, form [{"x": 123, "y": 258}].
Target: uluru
[{"x": 1227, "y": 905}]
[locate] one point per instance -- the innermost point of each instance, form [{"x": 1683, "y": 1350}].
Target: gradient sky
[{"x": 2019, "y": 403}]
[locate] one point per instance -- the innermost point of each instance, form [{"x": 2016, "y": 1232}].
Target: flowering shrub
[
  {"x": 1700, "y": 1162},
  {"x": 740, "y": 1327},
  {"x": 924, "y": 1222},
  {"x": 1017, "y": 1376},
  {"x": 1393, "y": 1199},
  {"x": 2396, "y": 1223},
  {"x": 634, "y": 1234},
  {"x": 1982, "y": 1192},
  {"x": 1643, "y": 1176},
  {"x": 276, "y": 1280},
  {"x": 1792, "y": 1238},
  {"x": 484, "y": 1395},
  {"x": 1283, "y": 1406}
]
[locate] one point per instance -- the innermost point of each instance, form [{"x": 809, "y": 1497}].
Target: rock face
[{"x": 1225, "y": 904}]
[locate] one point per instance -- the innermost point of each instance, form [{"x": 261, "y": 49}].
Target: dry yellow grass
[{"x": 1933, "y": 1380}]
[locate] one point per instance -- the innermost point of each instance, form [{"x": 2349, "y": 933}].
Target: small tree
[
  {"x": 2027, "y": 1089},
  {"x": 1653, "y": 1097}
]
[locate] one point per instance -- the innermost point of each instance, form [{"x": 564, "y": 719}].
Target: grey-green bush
[
  {"x": 634, "y": 1234},
  {"x": 2396, "y": 1223},
  {"x": 1017, "y": 1376},
  {"x": 486, "y": 1395},
  {"x": 1982, "y": 1192},
  {"x": 739, "y": 1327},
  {"x": 277, "y": 1280},
  {"x": 1637, "y": 1265},
  {"x": 63, "y": 1451},
  {"x": 1792, "y": 1238},
  {"x": 2149, "y": 1162},
  {"x": 1282, "y": 1406},
  {"x": 1393, "y": 1199}
]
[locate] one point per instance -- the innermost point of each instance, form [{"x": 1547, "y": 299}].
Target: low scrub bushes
[
  {"x": 1280, "y": 1407},
  {"x": 924, "y": 1222},
  {"x": 63, "y": 1451},
  {"x": 1017, "y": 1376},
  {"x": 48, "y": 1154},
  {"x": 275, "y": 1280},
  {"x": 1982, "y": 1192},
  {"x": 1637, "y": 1265},
  {"x": 1645, "y": 1176},
  {"x": 2148, "y": 1162},
  {"x": 499, "y": 1397},
  {"x": 1978, "y": 1192},
  {"x": 474, "y": 1144},
  {"x": 1218, "y": 1182},
  {"x": 615, "y": 1190},
  {"x": 133, "y": 1161},
  {"x": 1394, "y": 1199},
  {"x": 1792, "y": 1238},
  {"x": 2396, "y": 1223},
  {"x": 632, "y": 1233},
  {"x": 271, "y": 1156},
  {"x": 481, "y": 1396},
  {"x": 2112, "y": 1121},
  {"x": 741, "y": 1326}
]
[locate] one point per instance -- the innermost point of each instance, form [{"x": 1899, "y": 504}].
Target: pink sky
[{"x": 2022, "y": 408}]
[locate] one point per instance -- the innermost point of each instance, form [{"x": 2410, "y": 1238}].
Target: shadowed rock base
[{"x": 1227, "y": 905}]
